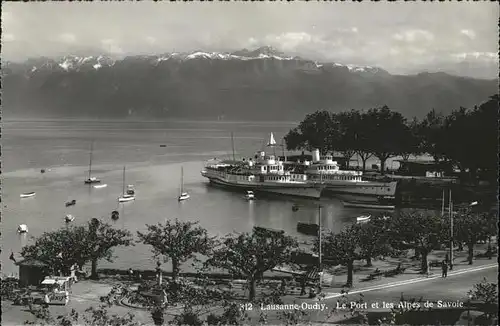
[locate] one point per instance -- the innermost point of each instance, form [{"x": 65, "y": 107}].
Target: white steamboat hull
[
  {"x": 362, "y": 191},
  {"x": 296, "y": 190}
]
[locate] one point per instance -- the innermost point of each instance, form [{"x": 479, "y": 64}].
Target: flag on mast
[{"x": 271, "y": 142}]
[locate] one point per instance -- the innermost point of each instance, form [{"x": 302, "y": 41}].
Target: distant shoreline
[{"x": 151, "y": 120}]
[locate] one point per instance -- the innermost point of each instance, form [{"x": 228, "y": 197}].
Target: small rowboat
[
  {"x": 184, "y": 196},
  {"x": 28, "y": 194},
  {"x": 69, "y": 218},
  {"x": 115, "y": 215},
  {"x": 250, "y": 195},
  {"x": 126, "y": 198},
  {"x": 363, "y": 219},
  {"x": 22, "y": 228},
  {"x": 100, "y": 186},
  {"x": 92, "y": 180},
  {"x": 70, "y": 203}
]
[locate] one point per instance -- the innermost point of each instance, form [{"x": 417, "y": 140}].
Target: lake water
[{"x": 62, "y": 147}]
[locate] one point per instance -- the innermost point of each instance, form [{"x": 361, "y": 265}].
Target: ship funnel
[{"x": 315, "y": 155}]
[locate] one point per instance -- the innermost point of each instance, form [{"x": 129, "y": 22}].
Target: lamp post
[
  {"x": 320, "y": 258},
  {"x": 468, "y": 310},
  {"x": 451, "y": 232}
]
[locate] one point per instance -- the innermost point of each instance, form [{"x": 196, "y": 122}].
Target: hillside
[{"x": 257, "y": 85}]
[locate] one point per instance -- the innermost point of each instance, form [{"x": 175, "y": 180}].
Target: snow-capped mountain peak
[{"x": 97, "y": 62}]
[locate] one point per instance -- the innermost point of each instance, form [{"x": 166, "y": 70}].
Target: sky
[{"x": 398, "y": 37}]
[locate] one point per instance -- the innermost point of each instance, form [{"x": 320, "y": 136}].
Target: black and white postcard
[{"x": 243, "y": 163}]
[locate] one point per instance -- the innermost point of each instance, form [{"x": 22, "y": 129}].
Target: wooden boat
[
  {"x": 250, "y": 195},
  {"x": 125, "y": 197},
  {"x": 27, "y": 194},
  {"x": 42, "y": 171},
  {"x": 115, "y": 215},
  {"x": 100, "y": 186},
  {"x": 70, "y": 203},
  {"x": 162, "y": 145},
  {"x": 267, "y": 230},
  {"x": 22, "y": 228},
  {"x": 367, "y": 205},
  {"x": 363, "y": 218},
  {"x": 90, "y": 178},
  {"x": 183, "y": 195},
  {"x": 308, "y": 228},
  {"x": 295, "y": 207},
  {"x": 69, "y": 218}
]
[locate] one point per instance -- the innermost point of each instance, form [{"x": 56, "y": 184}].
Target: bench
[
  {"x": 375, "y": 274},
  {"x": 435, "y": 263},
  {"x": 394, "y": 272}
]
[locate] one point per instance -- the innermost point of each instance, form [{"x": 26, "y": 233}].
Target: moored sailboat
[
  {"x": 91, "y": 179},
  {"x": 125, "y": 197},
  {"x": 182, "y": 194}
]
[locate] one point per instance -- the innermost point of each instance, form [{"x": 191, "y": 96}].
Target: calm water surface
[{"x": 63, "y": 147}]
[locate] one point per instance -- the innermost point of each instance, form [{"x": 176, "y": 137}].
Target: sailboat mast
[
  {"x": 123, "y": 188},
  {"x": 182, "y": 179},
  {"x": 232, "y": 145},
  {"x": 90, "y": 160}
]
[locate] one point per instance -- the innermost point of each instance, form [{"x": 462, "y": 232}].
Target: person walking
[
  {"x": 303, "y": 286},
  {"x": 444, "y": 268}
]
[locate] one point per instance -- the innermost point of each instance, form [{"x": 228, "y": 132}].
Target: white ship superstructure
[
  {"x": 346, "y": 184},
  {"x": 264, "y": 173}
]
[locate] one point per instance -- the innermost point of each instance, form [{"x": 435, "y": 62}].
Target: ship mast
[
  {"x": 123, "y": 186},
  {"x": 90, "y": 160},
  {"x": 182, "y": 180},
  {"x": 232, "y": 145}
]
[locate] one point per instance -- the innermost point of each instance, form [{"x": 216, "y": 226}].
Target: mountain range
[{"x": 261, "y": 84}]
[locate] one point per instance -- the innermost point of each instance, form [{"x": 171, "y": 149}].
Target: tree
[
  {"x": 388, "y": 133},
  {"x": 359, "y": 135},
  {"x": 317, "y": 130},
  {"x": 102, "y": 238},
  {"x": 92, "y": 316},
  {"x": 60, "y": 249},
  {"x": 177, "y": 241},
  {"x": 249, "y": 255},
  {"x": 347, "y": 137},
  {"x": 469, "y": 227},
  {"x": 420, "y": 230},
  {"x": 294, "y": 140},
  {"x": 486, "y": 292},
  {"x": 410, "y": 140},
  {"x": 373, "y": 239},
  {"x": 430, "y": 130},
  {"x": 77, "y": 245},
  {"x": 343, "y": 248}
]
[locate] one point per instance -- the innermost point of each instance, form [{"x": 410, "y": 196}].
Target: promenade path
[{"x": 86, "y": 293}]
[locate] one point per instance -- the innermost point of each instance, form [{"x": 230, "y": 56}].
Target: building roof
[{"x": 32, "y": 262}]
